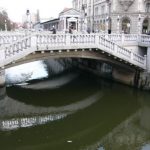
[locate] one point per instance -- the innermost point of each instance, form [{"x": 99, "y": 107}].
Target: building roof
[
  {"x": 51, "y": 20},
  {"x": 69, "y": 11}
]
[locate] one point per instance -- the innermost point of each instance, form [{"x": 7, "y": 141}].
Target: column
[
  {"x": 92, "y": 15},
  {"x": 106, "y": 25},
  {"x": 139, "y": 24},
  {"x": 64, "y": 23},
  {"x": 2, "y": 78},
  {"x": 114, "y": 5},
  {"x": 118, "y": 24},
  {"x": 148, "y": 60}
]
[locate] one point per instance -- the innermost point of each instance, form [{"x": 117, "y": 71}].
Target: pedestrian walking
[{"x": 53, "y": 30}]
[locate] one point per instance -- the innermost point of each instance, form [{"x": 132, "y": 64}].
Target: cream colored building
[
  {"x": 69, "y": 17},
  {"x": 115, "y": 16}
]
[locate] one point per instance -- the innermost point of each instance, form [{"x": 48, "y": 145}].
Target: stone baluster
[
  {"x": 96, "y": 39},
  {"x": 122, "y": 38},
  {"x": 68, "y": 39}
]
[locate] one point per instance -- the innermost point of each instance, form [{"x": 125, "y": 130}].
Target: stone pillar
[
  {"x": 2, "y": 78},
  {"x": 123, "y": 76},
  {"x": 114, "y": 5},
  {"x": 2, "y": 92},
  {"x": 148, "y": 60},
  {"x": 106, "y": 25},
  {"x": 92, "y": 15},
  {"x": 64, "y": 24},
  {"x": 118, "y": 24}
]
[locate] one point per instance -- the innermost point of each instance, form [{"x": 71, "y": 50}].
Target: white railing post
[
  {"x": 97, "y": 40},
  {"x": 132, "y": 60},
  {"x": 122, "y": 38},
  {"x": 2, "y": 58},
  {"x": 139, "y": 38},
  {"x": 145, "y": 63},
  {"x": 148, "y": 60},
  {"x": 34, "y": 42},
  {"x": 115, "y": 49},
  {"x": 68, "y": 39}
]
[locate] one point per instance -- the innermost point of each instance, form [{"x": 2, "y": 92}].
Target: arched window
[
  {"x": 145, "y": 26},
  {"x": 126, "y": 25}
]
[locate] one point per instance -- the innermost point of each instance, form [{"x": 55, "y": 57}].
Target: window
[
  {"x": 89, "y": 12},
  {"x": 96, "y": 11},
  {"x": 148, "y": 7},
  {"x": 103, "y": 9}
]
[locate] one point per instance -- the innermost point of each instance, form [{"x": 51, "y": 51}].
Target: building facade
[
  {"x": 115, "y": 16},
  {"x": 68, "y": 18}
]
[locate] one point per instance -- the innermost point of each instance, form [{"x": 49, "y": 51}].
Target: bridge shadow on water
[
  {"x": 42, "y": 93},
  {"x": 116, "y": 107}
]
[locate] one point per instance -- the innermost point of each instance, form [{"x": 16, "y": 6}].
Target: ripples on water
[{"x": 72, "y": 111}]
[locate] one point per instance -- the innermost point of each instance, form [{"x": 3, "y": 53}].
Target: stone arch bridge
[{"x": 19, "y": 48}]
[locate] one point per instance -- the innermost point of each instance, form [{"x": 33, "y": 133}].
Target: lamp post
[
  {"x": 139, "y": 24},
  {"x": 83, "y": 17},
  {"x": 118, "y": 23},
  {"x": 92, "y": 5},
  {"x": 28, "y": 19},
  {"x": 107, "y": 24},
  {"x": 108, "y": 19},
  {"x": 5, "y": 25}
]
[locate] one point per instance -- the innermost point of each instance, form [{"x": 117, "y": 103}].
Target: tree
[{"x": 4, "y": 19}]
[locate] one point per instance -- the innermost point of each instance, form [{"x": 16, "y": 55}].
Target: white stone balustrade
[
  {"x": 104, "y": 42},
  {"x": 7, "y": 39},
  {"x": 122, "y": 39}
]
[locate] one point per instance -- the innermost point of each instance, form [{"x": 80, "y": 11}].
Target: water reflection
[
  {"x": 52, "y": 83},
  {"x": 10, "y": 108},
  {"x": 92, "y": 113},
  {"x": 25, "y": 72},
  {"x": 146, "y": 147},
  {"x": 15, "y": 123}
]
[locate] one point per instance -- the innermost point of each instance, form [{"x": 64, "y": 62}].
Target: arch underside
[{"x": 80, "y": 53}]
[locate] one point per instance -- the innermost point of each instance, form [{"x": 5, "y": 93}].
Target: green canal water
[{"x": 74, "y": 111}]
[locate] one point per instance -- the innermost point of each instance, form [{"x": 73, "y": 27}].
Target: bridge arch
[{"x": 76, "y": 53}]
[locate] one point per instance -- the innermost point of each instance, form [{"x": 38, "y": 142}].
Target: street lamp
[
  {"x": 118, "y": 23},
  {"x": 5, "y": 25},
  {"x": 139, "y": 24},
  {"x": 107, "y": 22},
  {"x": 28, "y": 18},
  {"x": 108, "y": 19},
  {"x": 83, "y": 17}
]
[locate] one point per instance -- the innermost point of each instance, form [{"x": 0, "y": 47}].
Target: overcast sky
[{"x": 48, "y": 8}]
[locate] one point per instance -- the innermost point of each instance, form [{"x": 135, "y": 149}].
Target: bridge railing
[
  {"x": 15, "y": 47},
  {"x": 121, "y": 52},
  {"x": 15, "y": 51},
  {"x": 40, "y": 41},
  {"x": 76, "y": 39},
  {"x": 50, "y": 40},
  {"x": 122, "y": 39},
  {"x": 7, "y": 39},
  {"x": 144, "y": 39},
  {"x": 92, "y": 41}
]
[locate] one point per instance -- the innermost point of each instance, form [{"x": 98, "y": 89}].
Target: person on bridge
[
  {"x": 53, "y": 30},
  {"x": 70, "y": 30}
]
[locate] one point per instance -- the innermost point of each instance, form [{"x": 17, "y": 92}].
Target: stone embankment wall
[{"x": 134, "y": 78}]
